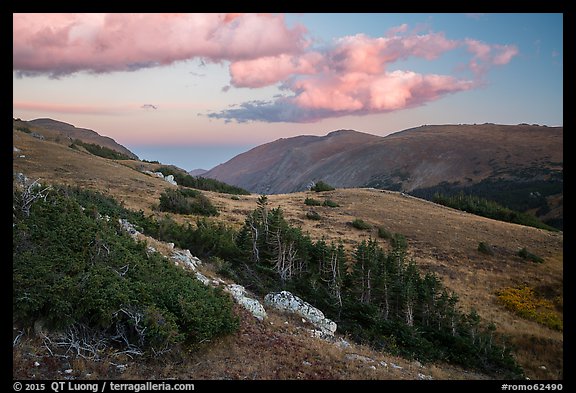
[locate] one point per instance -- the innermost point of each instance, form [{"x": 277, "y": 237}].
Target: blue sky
[{"x": 195, "y": 90}]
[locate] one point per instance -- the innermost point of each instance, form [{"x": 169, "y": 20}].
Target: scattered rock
[
  {"x": 16, "y": 149},
  {"x": 202, "y": 278},
  {"x": 306, "y": 363},
  {"x": 68, "y": 371},
  {"x": 396, "y": 366},
  {"x": 36, "y": 364},
  {"x": 383, "y": 363},
  {"x": 170, "y": 179},
  {"x": 424, "y": 377},
  {"x": 286, "y": 301},
  {"x": 186, "y": 258},
  {"x": 128, "y": 227},
  {"x": 343, "y": 343},
  {"x": 238, "y": 292},
  {"x": 354, "y": 356}
]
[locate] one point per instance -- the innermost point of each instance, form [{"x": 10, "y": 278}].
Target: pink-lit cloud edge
[{"x": 349, "y": 76}]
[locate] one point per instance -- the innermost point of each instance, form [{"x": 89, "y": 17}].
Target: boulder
[
  {"x": 186, "y": 258},
  {"x": 238, "y": 292},
  {"x": 170, "y": 179},
  {"x": 128, "y": 227},
  {"x": 286, "y": 301}
]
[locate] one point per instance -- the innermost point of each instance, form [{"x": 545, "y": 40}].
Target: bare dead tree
[{"x": 30, "y": 192}]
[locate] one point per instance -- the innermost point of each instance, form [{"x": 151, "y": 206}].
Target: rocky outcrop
[
  {"x": 287, "y": 302},
  {"x": 169, "y": 178},
  {"x": 238, "y": 292},
  {"x": 185, "y": 258},
  {"x": 128, "y": 227}
]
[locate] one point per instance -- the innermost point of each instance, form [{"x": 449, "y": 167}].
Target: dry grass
[
  {"x": 279, "y": 348},
  {"x": 440, "y": 239}
]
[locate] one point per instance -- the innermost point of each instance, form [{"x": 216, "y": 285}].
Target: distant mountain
[
  {"x": 197, "y": 172},
  {"x": 490, "y": 158},
  {"x": 407, "y": 160},
  {"x": 289, "y": 165},
  {"x": 64, "y": 133}
]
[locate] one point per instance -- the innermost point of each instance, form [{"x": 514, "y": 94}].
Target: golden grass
[{"x": 440, "y": 239}]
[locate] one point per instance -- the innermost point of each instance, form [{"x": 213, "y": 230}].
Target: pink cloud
[
  {"x": 268, "y": 70},
  {"x": 486, "y": 55},
  {"x": 371, "y": 55},
  {"x": 365, "y": 93},
  {"x": 60, "y": 44},
  {"x": 505, "y": 54}
]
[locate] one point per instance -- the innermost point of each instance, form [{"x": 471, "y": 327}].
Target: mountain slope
[
  {"x": 66, "y": 133},
  {"x": 287, "y": 165},
  {"x": 440, "y": 239},
  {"x": 407, "y": 160}
]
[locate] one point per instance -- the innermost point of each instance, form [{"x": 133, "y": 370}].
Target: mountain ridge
[
  {"x": 376, "y": 157},
  {"x": 482, "y": 159},
  {"x": 63, "y": 132}
]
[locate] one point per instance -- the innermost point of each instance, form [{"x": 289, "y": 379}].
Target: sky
[{"x": 194, "y": 90}]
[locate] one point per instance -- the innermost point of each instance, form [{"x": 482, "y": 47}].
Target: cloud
[
  {"x": 62, "y": 44},
  {"x": 149, "y": 106},
  {"x": 486, "y": 55},
  {"x": 353, "y": 77},
  {"x": 356, "y": 94}
]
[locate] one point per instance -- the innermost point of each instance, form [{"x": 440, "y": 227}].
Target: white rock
[
  {"x": 128, "y": 227},
  {"x": 205, "y": 280},
  {"x": 238, "y": 292},
  {"x": 68, "y": 371},
  {"x": 36, "y": 364},
  {"x": 185, "y": 257},
  {"x": 286, "y": 301},
  {"x": 170, "y": 179},
  {"x": 362, "y": 358}
]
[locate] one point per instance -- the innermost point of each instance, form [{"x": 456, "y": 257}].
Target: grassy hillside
[{"x": 440, "y": 239}]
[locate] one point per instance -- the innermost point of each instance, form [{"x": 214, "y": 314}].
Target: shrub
[
  {"x": 24, "y": 129},
  {"x": 485, "y": 248},
  {"x": 321, "y": 186},
  {"x": 100, "y": 151},
  {"x": 78, "y": 272},
  {"x": 330, "y": 203},
  {"x": 399, "y": 241},
  {"x": 313, "y": 215},
  {"x": 360, "y": 224},
  {"x": 186, "y": 201},
  {"x": 201, "y": 183},
  {"x": 527, "y": 255},
  {"x": 312, "y": 202},
  {"x": 384, "y": 233},
  {"x": 524, "y": 302}
]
